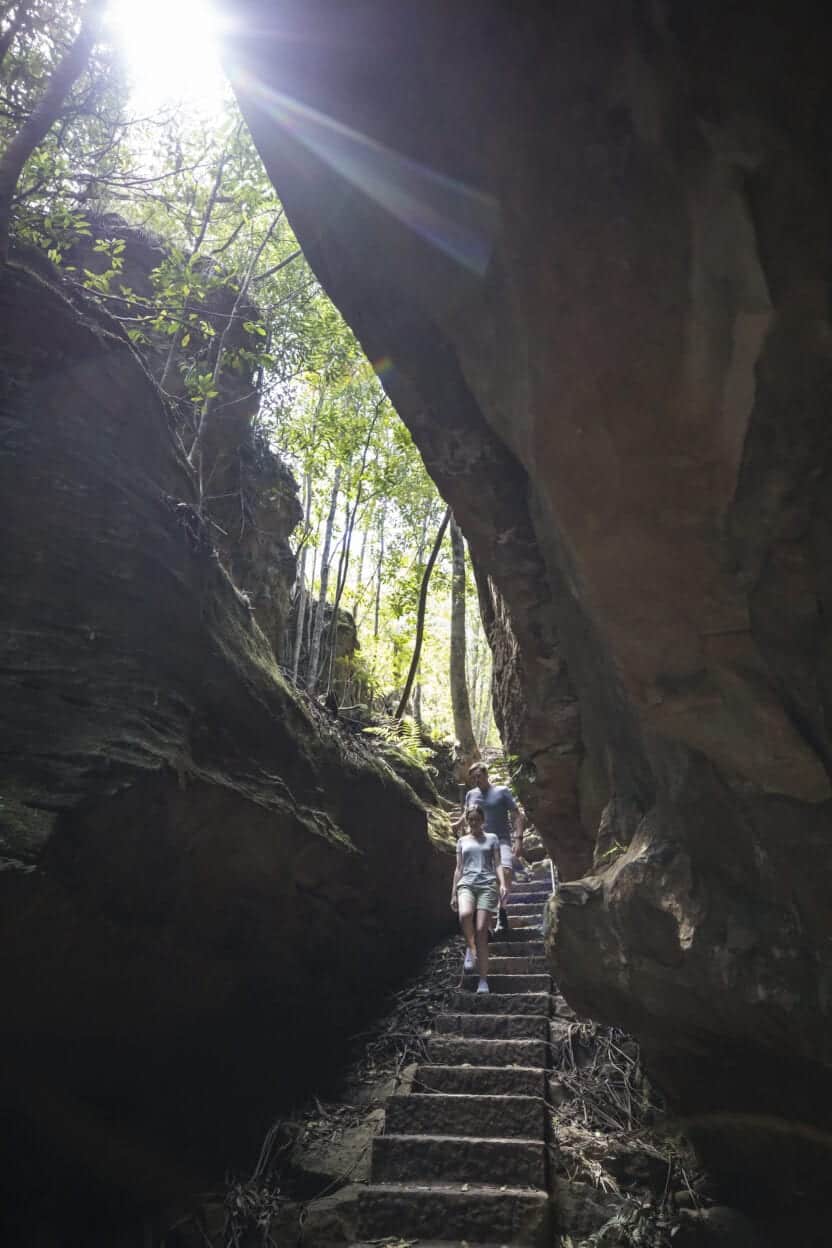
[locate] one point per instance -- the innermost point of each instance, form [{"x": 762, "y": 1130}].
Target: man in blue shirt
[{"x": 502, "y": 815}]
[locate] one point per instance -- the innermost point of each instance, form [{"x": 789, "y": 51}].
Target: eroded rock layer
[
  {"x": 195, "y": 884},
  {"x": 590, "y": 244}
]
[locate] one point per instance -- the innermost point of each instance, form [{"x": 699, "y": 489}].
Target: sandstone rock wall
[
  {"x": 251, "y": 499},
  {"x": 195, "y": 893},
  {"x": 591, "y": 242}
]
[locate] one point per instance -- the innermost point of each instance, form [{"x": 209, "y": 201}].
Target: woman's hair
[{"x": 475, "y": 810}]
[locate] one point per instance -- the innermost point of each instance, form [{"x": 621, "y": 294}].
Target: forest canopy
[{"x": 228, "y": 293}]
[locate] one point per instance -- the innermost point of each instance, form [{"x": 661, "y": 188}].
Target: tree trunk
[
  {"x": 211, "y": 203},
  {"x": 44, "y": 115},
  {"x": 344, "y": 561},
  {"x": 475, "y": 668},
  {"x": 378, "y": 569},
  {"x": 484, "y": 712},
  {"x": 362, "y": 552},
  {"x": 195, "y": 453},
  {"x": 302, "y": 594},
  {"x": 340, "y": 581},
  {"x": 317, "y": 629},
  {"x": 460, "y": 703},
  {"x": 310, "y": 614},
  {"x": 420, "y": 614}
]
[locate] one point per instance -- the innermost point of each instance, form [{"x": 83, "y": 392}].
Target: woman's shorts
[
  {"x": 506, "y": 855},
  {"x": 481, "y": 896}
]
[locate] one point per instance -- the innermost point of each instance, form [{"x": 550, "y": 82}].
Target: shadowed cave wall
[
  {"x": 195, "y": 909},
  {"x": 593, "y": 240}
]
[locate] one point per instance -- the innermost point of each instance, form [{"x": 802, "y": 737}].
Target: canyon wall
[
  {"x": 195, "y": 895},
  {"x": 587, "y": 245}
]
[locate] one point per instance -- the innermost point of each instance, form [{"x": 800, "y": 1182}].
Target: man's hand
[
  {"x": 503, "y": 894},
  {"x": 454, "y": 902}
]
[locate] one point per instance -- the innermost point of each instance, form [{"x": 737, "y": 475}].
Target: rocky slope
[
  {"x": 590, "y": 244},
  {"x": 195, "y": 887}
]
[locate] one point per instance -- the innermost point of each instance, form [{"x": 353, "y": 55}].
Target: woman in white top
[{"x": 474, "y": 890}]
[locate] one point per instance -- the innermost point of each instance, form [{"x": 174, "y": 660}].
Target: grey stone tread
[
  {"x": 411, "y": 1211},
  {"x": 480, "y": 1080},
  {"x": 495, "y": 1115},
  {"x": 447, "y": 1051},
  {"x": 493, "y": 1026},
  {"x": 524, "y": 910},
  {"x": 394, "y": 1241},
  {"x": 458, "y": 1159},
  {"x": 511, "y": 983},
  {"x": 475, "y": 1111},
  {"x": 514, "y": 964},
  {"x": 537, "y": 1003},
  {"x": 515, "y": 948}
]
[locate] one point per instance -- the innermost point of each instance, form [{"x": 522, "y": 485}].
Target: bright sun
[{"x": 170, "y": 47}]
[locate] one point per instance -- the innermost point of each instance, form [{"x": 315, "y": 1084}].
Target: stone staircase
[{"x": 463, "y": 1155}]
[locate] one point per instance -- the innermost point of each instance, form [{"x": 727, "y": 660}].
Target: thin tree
[
  {"x": 420, "y": 614},
  {"x": 381, "y": 517},
  {"x": 349, "y": 526},
  {"x": 318, "y": 626},
  {"x": 420, "y": 554},
  {"x": 44, "y": 115},
  {"x": 460, "y": 702},
  {"x": 301, "y": 577},
  {"x": 210, "y": 205},
  {"x": 207, "y": 407},
  {"x": 360, "y": 579}
]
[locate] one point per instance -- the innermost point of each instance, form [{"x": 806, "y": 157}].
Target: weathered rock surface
[
  {"x": 591, "y": 241},
  {"x": 194, "y": 865},
  {"x": 251, "y": 498}
]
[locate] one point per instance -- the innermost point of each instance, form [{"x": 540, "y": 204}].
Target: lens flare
[{"x": 459, "y": 220}]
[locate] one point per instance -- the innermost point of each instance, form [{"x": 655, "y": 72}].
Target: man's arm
[
  {"x": 501, "y": 874},
  {"x": 457, "y": 824}
]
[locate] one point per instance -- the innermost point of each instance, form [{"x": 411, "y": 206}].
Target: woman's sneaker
[
  {"x": 482, "y": 986},
  {"x": 470, "y": 963}
]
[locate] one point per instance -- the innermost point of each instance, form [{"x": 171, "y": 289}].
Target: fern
[{"x": 403, "y": 737}]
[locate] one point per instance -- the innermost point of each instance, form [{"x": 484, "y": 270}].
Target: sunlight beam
[{"x": 458, "y": 219}]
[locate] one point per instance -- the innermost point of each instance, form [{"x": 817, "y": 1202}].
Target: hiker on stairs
[
  {"x": 474, "y": 892},
  {"x": 503, "y": 818}
]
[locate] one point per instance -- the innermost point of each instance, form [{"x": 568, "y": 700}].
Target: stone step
[
  {"x": 493, "y": 1026},
  {"x": 524, "y": 910},
  {"x": 510, "y": 1215},
  {"x": 395, "y": 1241},
  {"x": 446, "y": 1051},
  {"x": 500, "y": 965},
  {"x": 480, "y": 1080},
  {"x": 502, "y": 1003},
  {"x": 510, "y": 983},
  {"x": 458, "y": 1159},
  {"x": 453, "y": 1113},
  {"x": 521, "y": 929},
  {"x": 515, "y": 948},
  {"x": 530, "y": 892}
]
